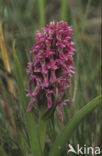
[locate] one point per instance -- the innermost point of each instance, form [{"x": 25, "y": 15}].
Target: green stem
[
  {"x": 64, "y": 10},
  {"x": 41, "y": 12},
  {"x": 42, "y": 129}
]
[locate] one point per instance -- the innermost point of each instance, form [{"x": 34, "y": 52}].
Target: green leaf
[
  {"x": 2, "y": 152},
  {"x": 28, "y": 116},
  {"x": 61, "y": 140}
]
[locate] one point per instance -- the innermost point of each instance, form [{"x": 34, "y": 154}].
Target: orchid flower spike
[{"x": 51, "y": 66}]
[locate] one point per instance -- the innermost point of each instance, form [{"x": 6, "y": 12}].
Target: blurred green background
[{"x": 19, "y": 21}]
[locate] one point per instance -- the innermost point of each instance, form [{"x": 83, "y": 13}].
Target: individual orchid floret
[{"x": 51, "y": 66}]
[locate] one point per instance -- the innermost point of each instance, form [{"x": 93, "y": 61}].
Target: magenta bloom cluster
[{"x": 51, "y": 66}]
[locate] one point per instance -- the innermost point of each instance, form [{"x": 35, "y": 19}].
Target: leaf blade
[
  {"x": 61, "y": 140},
  {"x": 28, "y": 116}
]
